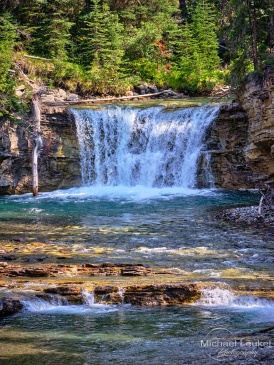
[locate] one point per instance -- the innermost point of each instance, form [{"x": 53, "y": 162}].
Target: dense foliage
[{"x": 108, "y": 46}]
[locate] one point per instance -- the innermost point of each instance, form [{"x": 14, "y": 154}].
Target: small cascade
[
  {"x": 216, "y": 297},
  {"x": 209, "y": 178},
  {"x": 36, "y": 304},
  {"x": 121, "y": 293},
  {"x": 88, "y": 298},
  {"x": 152, "y": 147},
  {"x": 224, "y": 297}
]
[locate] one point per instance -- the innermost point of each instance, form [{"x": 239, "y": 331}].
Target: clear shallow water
[
  {"x": 123, "y": 336},
  {"x": 169, "y": 228},
  {"x": 165, "y": 228}
]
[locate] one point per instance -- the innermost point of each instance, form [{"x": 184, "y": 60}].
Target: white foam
[
  {"x": 60, "y": 305},
  {"x": 224, "y": 297},
  {"x": 121, "y": 192}
]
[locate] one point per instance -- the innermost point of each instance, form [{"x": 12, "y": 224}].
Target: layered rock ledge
[
  {"x": 140, "y": 295},
  {"x": 87, "y": 269}
]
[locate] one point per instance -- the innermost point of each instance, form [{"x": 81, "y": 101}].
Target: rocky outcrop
[
  {"x": 140, "y": 295},
  {"x": 10, "y": 306},
  {"x": 224, "y": 151},
  {"x": 90, "y": 269},
  {"x": 164, "y": 294},
  {"x": 258, "y": 101},
  {"x": 58, "y": 162},
  {"x": 148, "y": 295}
]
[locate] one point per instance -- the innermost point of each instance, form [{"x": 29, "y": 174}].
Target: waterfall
[{"x": 153, "y": 147}]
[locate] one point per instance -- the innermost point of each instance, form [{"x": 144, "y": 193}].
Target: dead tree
[
  {"x": 266, "y": 205},
  {"x": 37, "y": 140}
]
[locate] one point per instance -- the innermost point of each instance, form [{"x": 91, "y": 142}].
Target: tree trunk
[
  {"x": 253, "y": 27},
  {"x": 37, "y": 140}
]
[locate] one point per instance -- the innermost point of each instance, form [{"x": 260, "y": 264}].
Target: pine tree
[
  {"x": 200, "y": 60},
  {"x": 7, "y": 42},
  {"x": 102, "y": 38},
  {"x": 57, "y": 29}
]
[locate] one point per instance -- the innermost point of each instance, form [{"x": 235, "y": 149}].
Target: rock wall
[
  {"x": 258, "y": 101},
  {"x": 224, "y": 156},
  {"x": 238, "y": 152},
  {"x": 58, "y": 162}
]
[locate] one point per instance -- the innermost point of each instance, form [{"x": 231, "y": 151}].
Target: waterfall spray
[{"x": 153, "y": 147}]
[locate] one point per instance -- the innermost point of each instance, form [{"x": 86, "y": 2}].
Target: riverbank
[{"x": 247, "y": 215}]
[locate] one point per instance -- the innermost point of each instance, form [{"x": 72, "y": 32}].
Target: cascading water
[{"x": 152, "y": 147}]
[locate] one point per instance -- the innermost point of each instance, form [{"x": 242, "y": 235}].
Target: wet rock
[
  {"x": 18, "y": 239},
  {"x": 35, "y": 259},
  {"x": 36, "y": 271},
  {"x": 108, "y": 295},
  {"x": 170, "y": 92},
  {"x": 226, "y": 142},
  {"x": 64, "y": 290},
  {"x": 164, "y": 294},
  {"x": 70, "y": 293},
  {"x": 135, "y": 270},
  {"x": 148, "y": 295},
  {"x": 3, "y": 264},
  {"x": 105, "y": 269},
  {"x": 10, "y": 306}
]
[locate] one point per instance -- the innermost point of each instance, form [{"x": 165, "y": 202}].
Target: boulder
[
  {"x": 10, "y": 306},
  {"x": 61, "y": 93},
  {"x": 129, "y": 93},
  {"x": 48, "y": 98},
  {"x": 72, "y": 97}
]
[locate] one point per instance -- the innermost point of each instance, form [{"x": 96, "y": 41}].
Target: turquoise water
[
  {"x": 165, "y": 228},
  {"x": 127, "y": 335},
  {"x": 157, "y": 227}
]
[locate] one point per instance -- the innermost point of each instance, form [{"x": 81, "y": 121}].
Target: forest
[{"x": 110, "y": 46}]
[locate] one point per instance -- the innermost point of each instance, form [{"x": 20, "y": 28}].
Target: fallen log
[
  {"x": 38, "y": 58},
  {"x": 91, "y": 101}
]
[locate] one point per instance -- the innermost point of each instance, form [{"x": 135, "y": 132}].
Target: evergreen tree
[
  {"x": 199, "y": 62},
  {"x": 7, "y": 43},
  {"x": 57, "y": 29},
  {"x": 102, "y": 38}
]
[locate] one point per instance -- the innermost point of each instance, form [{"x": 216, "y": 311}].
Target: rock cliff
[
  {"x": 258, "y": 101},
  {"x": 224, "y": 151},
  {"x": 58, "y": 162}
]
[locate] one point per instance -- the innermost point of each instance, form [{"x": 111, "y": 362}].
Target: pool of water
[
  {"x": 130, "y": 335},
  {"x": 166, "y": 228}
]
